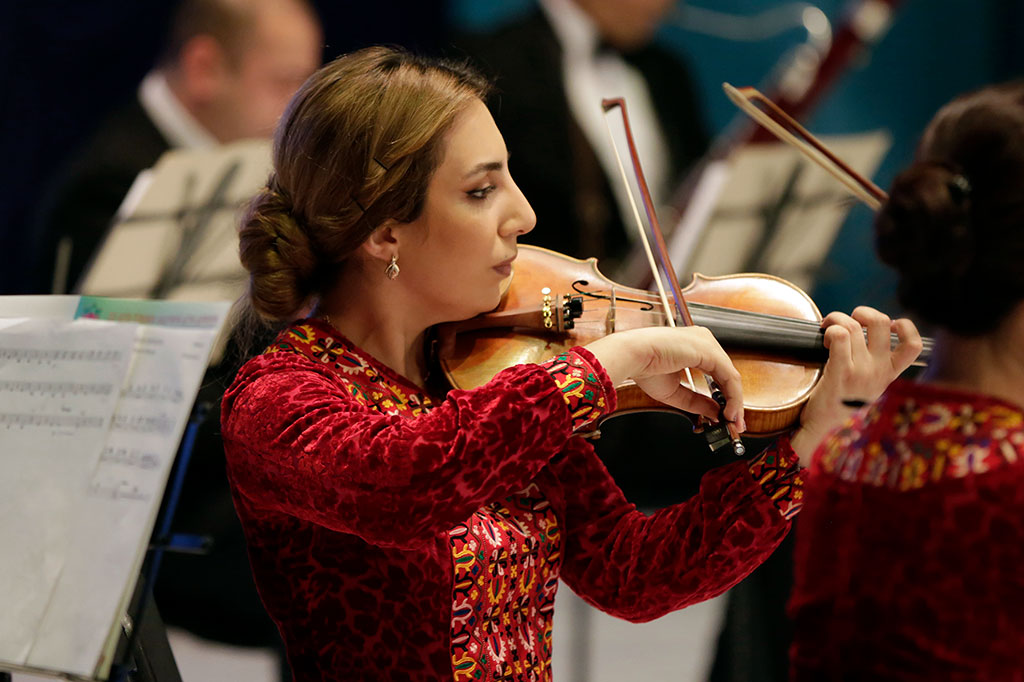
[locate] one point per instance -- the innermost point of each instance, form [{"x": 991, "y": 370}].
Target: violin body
[{"x": 776, "y": 384}]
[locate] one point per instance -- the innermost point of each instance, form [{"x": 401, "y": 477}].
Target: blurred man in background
[{"x": 227, "y": 73}]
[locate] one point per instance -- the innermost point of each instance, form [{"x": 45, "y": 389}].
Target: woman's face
[{"x": 457, "y": 255}]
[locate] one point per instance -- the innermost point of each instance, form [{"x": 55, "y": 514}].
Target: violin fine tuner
[{"x": 570, "y": 309}]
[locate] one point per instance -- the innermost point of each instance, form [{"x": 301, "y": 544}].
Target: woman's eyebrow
[{"x": 485, "y": 167}]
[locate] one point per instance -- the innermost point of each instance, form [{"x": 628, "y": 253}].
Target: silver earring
[{"x": 392, "y": 269}]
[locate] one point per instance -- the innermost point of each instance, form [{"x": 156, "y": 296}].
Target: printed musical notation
[
  {"x": 118, "y": 490},
  {"x": 143, "y": 423},
  {"x": 55, "y": 421},
  {"x": 49, "y": 355},
  {"x": 56, "y": 389},
  {"x": 91, "y": 413},
  {"x": 130, "y": 457},
  {"x": 154, "y": 392}
]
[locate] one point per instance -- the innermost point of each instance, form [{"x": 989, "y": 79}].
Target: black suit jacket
[
  {"x": 549, "y": 154},
  {"x": 86, "y": 193}
]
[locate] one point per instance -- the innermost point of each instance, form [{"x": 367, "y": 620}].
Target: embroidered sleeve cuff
[
  {"x": 777, "y": 470},
  {"x": 585, "y": 386}
]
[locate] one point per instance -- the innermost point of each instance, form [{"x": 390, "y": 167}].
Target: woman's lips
[{"x": 504, "y": 268}]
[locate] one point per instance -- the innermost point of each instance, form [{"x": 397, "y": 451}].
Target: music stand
[
  {"x": 175, "y": 236},
  {"x": 114, "y": 400},
  {"x": 767, "y": 209}
]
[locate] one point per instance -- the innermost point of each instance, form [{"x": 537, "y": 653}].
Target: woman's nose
[{"x": 522, "y": 218}]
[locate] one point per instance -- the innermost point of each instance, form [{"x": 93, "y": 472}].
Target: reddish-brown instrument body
[{"x": 774, "y": 387}]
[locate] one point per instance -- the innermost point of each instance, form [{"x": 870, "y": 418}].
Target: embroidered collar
[
  {"x": 370, "y": 381},
  {"x": 922, "y": 433}
]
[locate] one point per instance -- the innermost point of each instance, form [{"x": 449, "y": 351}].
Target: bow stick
[
  {"x": 724, "y": 432},
  {"x": 783, "y": 126}
]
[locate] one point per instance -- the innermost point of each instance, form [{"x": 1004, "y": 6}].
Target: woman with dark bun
[
  {"x": 401, "y": 532},
  {"x": 910, "y": 549}
]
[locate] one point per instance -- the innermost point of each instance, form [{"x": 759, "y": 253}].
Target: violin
[{"x": 769, "y": 327}]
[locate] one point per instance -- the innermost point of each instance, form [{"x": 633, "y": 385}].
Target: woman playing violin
[
  {"x": 909, "y": 549},
  {"x": 399, "y": 532}
]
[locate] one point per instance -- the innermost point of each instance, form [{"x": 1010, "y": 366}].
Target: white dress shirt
[
  {"x": 589, "y": 77},
  {"x": 170, "y": 117}
]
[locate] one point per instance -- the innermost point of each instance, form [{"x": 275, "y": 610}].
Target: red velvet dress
[
  {"x": 910, "y": 547},
  {"x": 400, "y": 536}
]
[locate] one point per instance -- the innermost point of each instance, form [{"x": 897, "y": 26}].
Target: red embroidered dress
[
  {"x": 910, "y": 548},
  {"x": 395, "y": 535}
]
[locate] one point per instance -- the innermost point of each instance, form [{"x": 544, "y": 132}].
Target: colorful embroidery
[
  {"x": 904, "y": 442},
  {"x": 362, "y": 379},
  {"x": 780, "y": 477},
  {"x": 506, "y": 574},
  {"x": 582, "y": 387}
]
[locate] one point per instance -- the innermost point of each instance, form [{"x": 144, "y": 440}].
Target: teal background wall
[{"x": 933, "y": 50}]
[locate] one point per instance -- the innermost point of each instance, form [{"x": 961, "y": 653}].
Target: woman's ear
[{"x": 382, "y": 243}]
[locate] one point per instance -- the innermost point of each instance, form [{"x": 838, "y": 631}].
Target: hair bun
[
  {"x": 924, "y": 225},
  {"x": 924, "y": 231},
  {"x": 279, "y": 256}
]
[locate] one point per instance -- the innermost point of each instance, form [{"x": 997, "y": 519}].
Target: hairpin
[{"x": 959, "y": 188}]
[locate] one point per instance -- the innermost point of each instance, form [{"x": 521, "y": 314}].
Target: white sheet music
[
  {"x": 59, "y": 385},
  {"x": 91, "y": 414},
  {"x": 175, "y": 235},
  {"x": 122, "y": 497}
]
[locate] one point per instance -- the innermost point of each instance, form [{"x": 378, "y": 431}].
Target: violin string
[
  {"x": 653, "y": 299},
  {"x": 778, "y": 321},
  {"x": 757, "y": 321}
]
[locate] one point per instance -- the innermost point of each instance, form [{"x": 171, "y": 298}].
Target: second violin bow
[{"x": 787, "y": 129}]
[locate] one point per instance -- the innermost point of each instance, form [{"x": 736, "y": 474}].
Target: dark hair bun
[
  {"x": 279, "y": 256},
  {"x": 923, "y": 232},
  {"x": 934, "y": 233},
  {"x": 954, "y": 223}
]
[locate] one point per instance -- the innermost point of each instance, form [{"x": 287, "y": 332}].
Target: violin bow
[
  {"x": 783, "y": 126},
  {"x": 724, "y": 432}
]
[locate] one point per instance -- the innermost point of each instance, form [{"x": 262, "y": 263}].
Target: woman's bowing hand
[
  {"x": 862, "y": 362},
  {"x": 655, "y": 359}
]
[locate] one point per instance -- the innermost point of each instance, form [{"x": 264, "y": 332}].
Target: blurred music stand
[
  {"x": 767, "y": 209},
  {"x": 175, "y": 236}
]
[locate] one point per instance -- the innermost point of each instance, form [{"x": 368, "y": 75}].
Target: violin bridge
[{"x": 609, "y": 319}]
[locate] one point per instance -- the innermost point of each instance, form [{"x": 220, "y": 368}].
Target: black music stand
[{"x": 144, "y": 651}]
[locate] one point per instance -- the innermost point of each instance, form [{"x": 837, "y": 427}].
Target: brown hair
[
  {"x": 356, "y": 146},
  {"x": 954, "y": 224}
]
